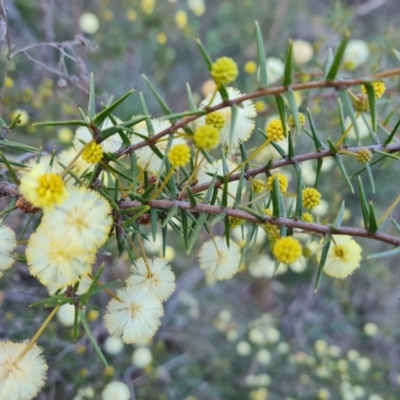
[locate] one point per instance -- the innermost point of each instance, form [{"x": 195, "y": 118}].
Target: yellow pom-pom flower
[
  {"x": 283, "y": 182},
  {"x": 181, "y": 19},
  {"x": 162, "y": 38},
  {"x": 224, "y": 71},
  {"x": 235, "y": 222},
  {"x": 364, "y": 156},
  {"x": 311, "y": 198},
  {"x": 93, "y": 153},
  {"x": 287, "y": 250},
  {"x": 307, "y": 217},
  {"x": 215, "y": 119},
  {"x": 379, "y": 89},
  {"x": 179, "y": 155},
  {"x": 344, "y": 256},
  {"x": 274, "y": 130},
  {"x": 258, "y": 185},
  {"x": 302, "y": 120},
  {"x": 206, "y": 137},
  {"x": 268, "y": 212},
  {"x": 250, "y": 67},
  {"x": 42, "y": 188}
]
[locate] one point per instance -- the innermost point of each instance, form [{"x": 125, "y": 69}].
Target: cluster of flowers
[
  {"x": 77, "y": 220},
  {"x": 61, "y": 252}
]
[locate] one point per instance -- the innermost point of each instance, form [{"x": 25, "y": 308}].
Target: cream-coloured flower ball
[
  {"x": 142, "y": 357},
  {"x": 116, "y": 391},
  {"x": 356, "y": 53},
  {"x": 302, "y": 51},
  {"x": 66, "y": 315},
  {"x": 113, "y": 345},
  {"x": 89, "y": 23},
  {"x": 243, "y": 348}
]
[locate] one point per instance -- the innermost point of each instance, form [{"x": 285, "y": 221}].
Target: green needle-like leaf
[
  {"x": 370, "y": 176},
  {"x": 328, "y": 63},
  {"x": 91, "y": 338},
  {"x": 170, "y": 215},
  {"x": 349, "y": 109},
  {"x": 299, "y": 198},
  {"x": 196, "y": 231},
  {"x": 364, "y": 204},
  {"x": 192, "y": 103},
  {"x": 277, "y": 199},
  {"x": 342, "y": 169},
  {"x": 389, "y": 253},
  {"x": 63, "y": 123},
  {"x": 339, "y": 218},
  {"x": 337, "y": 59},
  {"x": 290, "y": 146},
  {"x": 372, "y": 104},
  {"x": 293, "y": 109},
  {"x": 204, "y": 53},
  {"x": 391, "y": 136},
  {"x": 281, "y": 107},
  {"x": 317, "y": 141},
  {"x": 261, "y": 57},
  {"x": 191, "y": 197},
  {"x": 373, "y": 226},
  {"x": 100, "y": 117},
  {"x": 157, "y": 95},
  {"x": 324, "y": 254},
  {"x": 395, "y": 224},
  {"x": 288, "y": 72}
]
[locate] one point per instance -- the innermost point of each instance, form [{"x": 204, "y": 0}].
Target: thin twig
[
  {"x": 340, "y": 84},
  {"x": 289, "y": 223}
]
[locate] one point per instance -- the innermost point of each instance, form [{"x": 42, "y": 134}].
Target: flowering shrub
[{"x": 125, "y": 181}]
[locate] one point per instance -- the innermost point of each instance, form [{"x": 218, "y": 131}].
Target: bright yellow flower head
[
  {"x": 307, "y": 217},
  {"x": 274, "y": 130},
  {"x": 250, "y": 67},
  {"x": 93, "y": 153},
  {"x": 215, "y": 119},
  {"x": 302, "y": 120},
  {"x": 268, "y": 212},
  {"x": 344, "y": 256},
  {"x": 311, "y": 198},
  {"x": 206, "y": 137},
  {"x": 235, "y": 222},
  {"x": 179, "y": 155},
  {"x": 43, "y": 189},
  {"x": 181, "y": 19},
  {"x": 283, "y": 182},
  {"x": 379, "y": 89},
  {"x": 364, "y": 156},
  {"x": 287, "y": 250},
  {"x": 258, "y": 185},
  {"x": 224, "y": 71}
]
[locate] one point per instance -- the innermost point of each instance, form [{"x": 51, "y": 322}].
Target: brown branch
[
  {"x": 295, "y": 160},
  {"x": 289, "y": 223},
  {"x": 341, "y": 84}
]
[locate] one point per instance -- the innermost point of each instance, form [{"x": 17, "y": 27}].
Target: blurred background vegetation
[{"x": 252, "y": 337}]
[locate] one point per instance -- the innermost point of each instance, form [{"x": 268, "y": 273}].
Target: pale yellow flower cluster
[
  {"x": 76, "y": 222},
  {"x": 63, "y": 248},
  {"x": 135, "y": 315}
]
